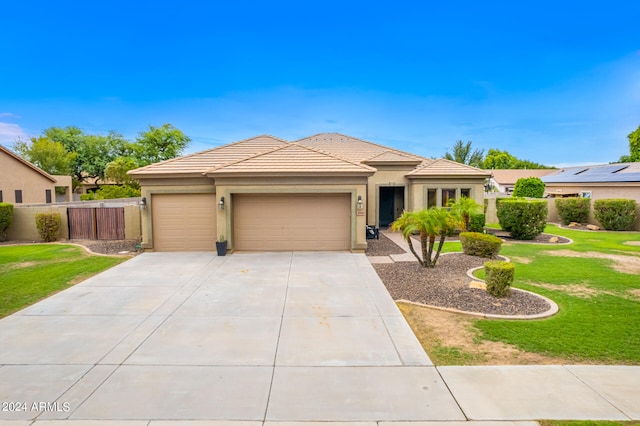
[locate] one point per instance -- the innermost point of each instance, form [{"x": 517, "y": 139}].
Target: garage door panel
[
  {"x": 184, "y": 222},
  {"x": 292, "y": 222}
]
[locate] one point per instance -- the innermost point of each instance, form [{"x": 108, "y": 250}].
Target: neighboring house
[
  {"x": 504, "y": 180},
  {"x": 23, "y": 183},
  {"x": 317, "y": 193},
  {"x": 596, "y": 182}
]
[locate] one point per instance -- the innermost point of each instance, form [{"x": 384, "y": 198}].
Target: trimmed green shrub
[
  {"x": 48, "y": 225},
  {"x": 573, "y": 209},
  {"x": 532, "y": 187},
  {"x": 478, "y": 244},
  {"x": 477, "y": 222},
  {"x": 6, "y": 217},
  {"x": 499, "y": 277},
  {"x": 109, "y": 192},
  {"x": 522, "y": 219},
  {"x": 615, "y": 214}
]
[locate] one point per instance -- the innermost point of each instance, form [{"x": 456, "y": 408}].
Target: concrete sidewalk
[{"x": 191, "y": 338}]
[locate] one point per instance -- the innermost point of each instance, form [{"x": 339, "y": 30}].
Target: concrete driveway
[
  {"x": 176, "y": 336},
  {"x": 267, "y": 337}
]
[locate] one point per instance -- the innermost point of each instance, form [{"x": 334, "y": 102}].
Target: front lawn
[
  {"x": 595, "y": 281},
  {"x": 29, "y": 273}
]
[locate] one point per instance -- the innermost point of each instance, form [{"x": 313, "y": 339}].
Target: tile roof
[
  {"x": 443, "y": 167},
  {"x": 200, "y": 162},
  {"x": 28, "y": 164},
  {"x": 621, "y": 172},
  {"x": 394, "y": 157},
  {"x": 351, "y": 148},
  {"x": 292, "y": 158},
  {"x": 511, "y": 176}
]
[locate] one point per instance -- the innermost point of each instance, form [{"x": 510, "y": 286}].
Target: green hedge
[
  {"x": 6, "y": 218},
  {"x": 477, "y": 222},
  {"x": 478, "y": 244},
  {"x": 523, "y": 219},
  {"x": 573, "y": 209},
  {"x": 532, "y": 187},
  {"x": 48, "y": 225},
  {"x": 615, "y": 214},
  {"x": 499, "y": 277}
]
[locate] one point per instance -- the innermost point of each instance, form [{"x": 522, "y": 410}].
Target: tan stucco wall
[
  {"x": 15, "y": 175},
  {"x": 387, "y": 176},
  {"x": 23, "y": 227}
]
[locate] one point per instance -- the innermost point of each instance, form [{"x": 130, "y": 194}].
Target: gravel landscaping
[{"x": 447, "y": 285}]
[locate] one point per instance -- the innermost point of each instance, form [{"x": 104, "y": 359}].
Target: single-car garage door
[
  {"x": 184, "y": 222},
  {"x": 292, "y": 222}
]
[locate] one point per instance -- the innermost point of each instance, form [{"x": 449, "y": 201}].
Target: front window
[
  {"x": 432, "y": 198},
  {"x": 448, "y": 195},
  {"x": 465, "y": 192}
]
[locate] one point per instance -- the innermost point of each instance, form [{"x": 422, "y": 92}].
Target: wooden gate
[{"x": 99, "y": 223}]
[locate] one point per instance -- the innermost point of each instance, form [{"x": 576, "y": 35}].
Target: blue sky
[{"x": 555, "y": 82}]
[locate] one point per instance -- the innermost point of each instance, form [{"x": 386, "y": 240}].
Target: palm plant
[
  {"x": 462, "y": 209},
  {"x": 429, "y": 224}
]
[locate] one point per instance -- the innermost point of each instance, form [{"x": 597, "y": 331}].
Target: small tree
[
  {"x": 429, "y": 224},
  {"x": 48, "y": 225},
  {"x": 573, "y": 209},
  {"x": 6, "y": 217},
  {"x": 532, "y": 187},
  {"x": 462, "y": 209}
]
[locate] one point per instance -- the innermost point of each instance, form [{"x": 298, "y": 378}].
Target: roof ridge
[
  {"x": 215, "y": 148},
  {"x": 27, "y": 163},
  {"x": 289, "y": 145},
  {"x": 362, "y": 140}
]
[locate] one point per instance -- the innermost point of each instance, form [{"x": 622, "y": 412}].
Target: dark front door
[{"x": 391, "y": 204}]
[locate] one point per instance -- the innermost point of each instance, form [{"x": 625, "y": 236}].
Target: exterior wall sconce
[
  {"x": 143, "y": 203},
  {"x": 360, "y": 204},
  {"x": 221, "y": 204}
]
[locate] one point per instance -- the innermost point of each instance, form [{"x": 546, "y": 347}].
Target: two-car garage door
[{"x": 273, "y": 222}]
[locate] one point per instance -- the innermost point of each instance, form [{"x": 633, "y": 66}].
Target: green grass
[
  {"x": 29, "y": 273},
  {"x": 599, "y": 318}
]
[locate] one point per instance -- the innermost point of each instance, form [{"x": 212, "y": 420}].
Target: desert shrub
[
  {"x": 477, "y": 222},
  {"x": 532, "y": 187},
  {"x": 6, "y": 217},
  {"x": 499, "y": 277},
  {"x": 478, "y": 244},
  {"x": 48, "y": 225},
  {"x": 523, "y": 219},
  {"x": 573, "y": 209},
  {"x": 615, "y": 214}
]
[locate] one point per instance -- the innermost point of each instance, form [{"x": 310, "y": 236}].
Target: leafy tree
[
  {"x": 50, "y": 156},
  {"x": 461, "y": 153},
  {"x": 634, "y": 147},
  {"x": 116, "y": 171},
  {"x": 159, "y": 144},
  {"x": 429, "y": 224},
  {"x": 109, "y": 192},
  {"x": 497, "y": 159},
  {"x": 93, "y": 152},
  {"x": 532, "y": 187}
]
